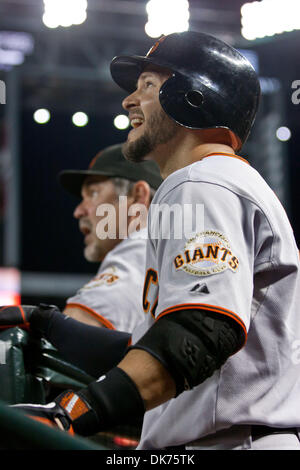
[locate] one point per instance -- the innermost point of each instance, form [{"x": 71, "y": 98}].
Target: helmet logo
[
  {"x": 155, "y": 46},
  {"x": 194, "y": 98}
]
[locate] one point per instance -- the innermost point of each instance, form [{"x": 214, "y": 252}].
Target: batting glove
[
  {"x": 69, "y": 412},
  {"x": 111, "y": 400}
]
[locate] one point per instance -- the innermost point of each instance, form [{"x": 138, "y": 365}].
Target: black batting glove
[
  {"x": 110, "y": 401},
  {"x": 68, "y": 412}
]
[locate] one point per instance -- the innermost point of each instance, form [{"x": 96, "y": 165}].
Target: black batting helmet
[{"x": 212, "y": 84}]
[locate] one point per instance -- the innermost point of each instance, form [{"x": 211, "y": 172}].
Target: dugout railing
[{"x": 31, "y": 371}]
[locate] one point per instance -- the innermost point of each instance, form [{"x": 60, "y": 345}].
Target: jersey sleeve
[
  {"x": 114, "y": 295},
  {"x": 206, "y": 261},
  {"x": 95, "y": 298}
]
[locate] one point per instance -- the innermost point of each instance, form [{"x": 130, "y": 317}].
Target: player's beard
[
  {"x": 96, "y": 250},
  {"x": 160, "y": 130},
  {"x": 93, "y": 252}
]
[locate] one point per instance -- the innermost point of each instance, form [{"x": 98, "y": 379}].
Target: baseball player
[
  {"x": 112, "y": 298},
  {"x": 213, "y": 365}
]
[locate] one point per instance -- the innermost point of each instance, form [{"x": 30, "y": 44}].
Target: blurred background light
[
  {"x": 283, "y": 134},
  {"x": 167, "y": 16},
  {"x": 269, "y": 85},
  {"x": 17, "y": 41},
  {"x": 121, "y": 122},
  {"x": 269, "y": 17},
  {"x": 14, "y": 46},
  {"x": 11, "y": 57},
  {"x": 10, "y": 286},
  {"x": 41, "y": 116},
  {"x": 64, "y": 12},
  {"x": 80, "y": 119}
]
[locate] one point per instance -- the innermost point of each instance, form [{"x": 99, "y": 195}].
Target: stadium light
[
  {"x": 166, "y": 17},
  {"x": 283, "y": 134},
  {"x": 121, "y": 122},
  {"x": 64, "y": 12},
  {"x": 269, "y": 17},
  {"x": 41, "y": 116},
  {"x": 80, "y": 119}
]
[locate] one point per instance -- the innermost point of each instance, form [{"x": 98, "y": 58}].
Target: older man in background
[{"x": 123, "y": 190}]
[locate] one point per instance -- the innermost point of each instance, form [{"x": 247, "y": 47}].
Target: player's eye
[
  {"x": 149, "y": 83},
  {"x": 94, "y": 193}
]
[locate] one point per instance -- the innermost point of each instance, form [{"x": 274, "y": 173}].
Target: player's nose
[
  {"x": 80, "y": 210},
  {"x": 131, "y": 101}
]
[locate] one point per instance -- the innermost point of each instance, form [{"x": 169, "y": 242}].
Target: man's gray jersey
[
  {"x": 240, "y": 260},
  {"x": 114, "y": 295}
]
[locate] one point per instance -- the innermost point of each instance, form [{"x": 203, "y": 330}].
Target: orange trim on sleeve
[
  {"x": 93, "y": 313},
  {"x": 211, "y": 308}
]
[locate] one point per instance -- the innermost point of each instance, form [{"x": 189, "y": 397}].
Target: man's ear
[{"x": 140, "y": 193}]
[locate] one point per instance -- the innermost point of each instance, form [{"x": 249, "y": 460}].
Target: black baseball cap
[{"x": 111, "y": 162}]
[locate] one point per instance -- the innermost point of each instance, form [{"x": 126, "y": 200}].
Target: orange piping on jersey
[
  {"x": 129, "y": 342},
  {"x": 94, "y": 314},
  {"x": 227, "y": 155},
  {"x": 212, "y": 308}
]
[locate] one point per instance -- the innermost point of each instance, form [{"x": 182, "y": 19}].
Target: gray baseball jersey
[
  {"x": 239, "y": 260},
  {"x": 114, "y": 295}
]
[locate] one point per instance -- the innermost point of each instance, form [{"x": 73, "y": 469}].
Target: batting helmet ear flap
[
  {"x": 191, "y": 103},
  {"x": 194, "y": 98}
]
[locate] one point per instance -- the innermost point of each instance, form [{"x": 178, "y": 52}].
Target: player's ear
[{"x": 141, "y": 193}]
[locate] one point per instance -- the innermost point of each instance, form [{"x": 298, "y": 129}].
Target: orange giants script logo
[{"x": 205, "y": 254}]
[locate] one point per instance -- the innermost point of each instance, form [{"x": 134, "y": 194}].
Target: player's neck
[{"x": 187, "y": 154}]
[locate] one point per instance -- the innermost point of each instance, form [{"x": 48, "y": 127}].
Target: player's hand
[
  {"x": 70, "y": 412},
  {"x": 35, "y": 318},
  {"x": 112, "y": 400}
]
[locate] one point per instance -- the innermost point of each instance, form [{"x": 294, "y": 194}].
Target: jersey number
[{"x": 151, "y": 278}]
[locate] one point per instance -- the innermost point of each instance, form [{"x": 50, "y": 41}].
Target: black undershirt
[{"x": 94, "y": 350}]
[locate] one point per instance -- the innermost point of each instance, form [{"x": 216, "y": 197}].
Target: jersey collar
[{"x": 227, "y": 155}]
